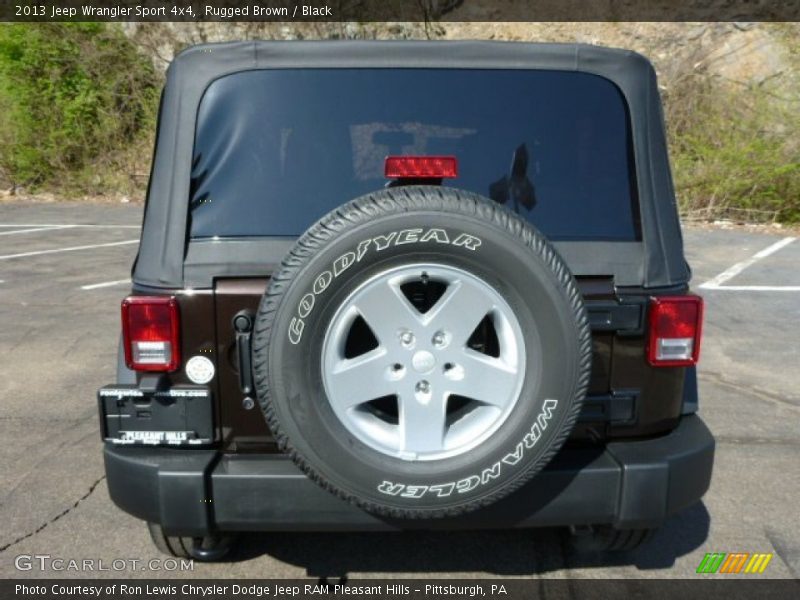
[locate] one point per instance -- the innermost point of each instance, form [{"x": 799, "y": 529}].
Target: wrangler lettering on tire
[{"x": 421, "y": 352}]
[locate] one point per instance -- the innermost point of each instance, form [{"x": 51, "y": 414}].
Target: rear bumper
[{"x": 625, "y": 484}]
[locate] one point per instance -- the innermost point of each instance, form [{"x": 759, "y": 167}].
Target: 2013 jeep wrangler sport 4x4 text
[{"x": 393, "y": 285}]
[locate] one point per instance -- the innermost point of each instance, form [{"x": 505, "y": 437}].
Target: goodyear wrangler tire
[{"x": 421, "y": 352}]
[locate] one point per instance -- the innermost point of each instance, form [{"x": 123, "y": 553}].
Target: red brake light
[
  {"x": 675, "y": 326},
  {"x": 421, "y": 167},
  {"x": 150, "y": 333}
]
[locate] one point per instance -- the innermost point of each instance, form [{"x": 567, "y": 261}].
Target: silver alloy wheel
[{"x": 421, "y": 390}]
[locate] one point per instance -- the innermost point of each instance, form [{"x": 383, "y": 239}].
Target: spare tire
[{"x": 421, "y": 352}]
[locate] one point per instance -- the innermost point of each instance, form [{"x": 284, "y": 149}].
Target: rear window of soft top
[{"x": 277, "y": 149}]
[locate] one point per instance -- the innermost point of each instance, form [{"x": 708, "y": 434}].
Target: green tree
[
  {"x": 734, "y": 150},
  {"x": 69, "y": 94}
]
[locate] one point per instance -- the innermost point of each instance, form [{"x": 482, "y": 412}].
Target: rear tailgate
[{"x": 621, "y": 377}]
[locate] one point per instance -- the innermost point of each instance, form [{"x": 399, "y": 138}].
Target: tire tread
[{"x": 385, "y": 203}]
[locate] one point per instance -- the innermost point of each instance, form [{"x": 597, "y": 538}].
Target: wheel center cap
[{"x": 423, "y": 361}]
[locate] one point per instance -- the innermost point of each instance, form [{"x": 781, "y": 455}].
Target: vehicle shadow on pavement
[
  {"x": 448, "y": 553},
  {"x": 680, "y": 535}
]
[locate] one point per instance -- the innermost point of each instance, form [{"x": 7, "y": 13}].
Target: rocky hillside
[
  {"x": 738, "y": 53},
  {"x": 731, "y": 92}
]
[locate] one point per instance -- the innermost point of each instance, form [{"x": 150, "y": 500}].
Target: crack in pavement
[
  {"x": 63, "y": 513},
  {"x": 42, "y": 459}
]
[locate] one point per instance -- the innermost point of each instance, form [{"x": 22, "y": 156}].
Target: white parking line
[
  {"x": 730, "y": 273},
  {"x": 35, "y": 229},
  {"x": 70, "y": 249},
  {"x": 96, "y": 286}
]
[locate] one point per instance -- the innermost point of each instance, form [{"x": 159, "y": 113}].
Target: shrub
[
  {"x": 70, "y": 94},
  {"x": 734, "y": 150}
]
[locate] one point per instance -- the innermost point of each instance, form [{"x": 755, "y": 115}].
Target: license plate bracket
[{"x": 177, "y": 416}]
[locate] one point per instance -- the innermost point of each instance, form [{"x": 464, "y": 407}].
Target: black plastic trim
[
  {"x": 691, "y": 396},
  {"x": 623, "y": 317},
  {"x": 162, "y": 485},
  {"x": 207, "y": 259},
  {"x": 617, "y": 408},
  {"x": 625, "y": 484}
]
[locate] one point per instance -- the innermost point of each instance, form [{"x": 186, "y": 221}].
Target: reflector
[{"x": 420, "y": 167}]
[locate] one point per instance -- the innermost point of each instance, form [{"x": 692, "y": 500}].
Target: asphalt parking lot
[{"x": 65, "y": 267}]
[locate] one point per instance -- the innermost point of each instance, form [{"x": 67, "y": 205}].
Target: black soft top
[{"x": 168, "y": 260}]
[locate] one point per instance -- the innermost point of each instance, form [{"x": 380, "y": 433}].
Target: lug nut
[
  {"x": 423, "y": 387},
  {"x": 439, "y": 339},
  {"x": 407, "y": 339},
  {"x": 248, "y": 403}
]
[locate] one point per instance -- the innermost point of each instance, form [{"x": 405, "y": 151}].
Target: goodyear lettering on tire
[{"x": 394, "y": 238}]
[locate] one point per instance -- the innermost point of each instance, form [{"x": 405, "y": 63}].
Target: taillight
[
  {"x": 675, "y": 327},
  {"x": 150, "y": 333},
  {"x": 420, "y": 167}
]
